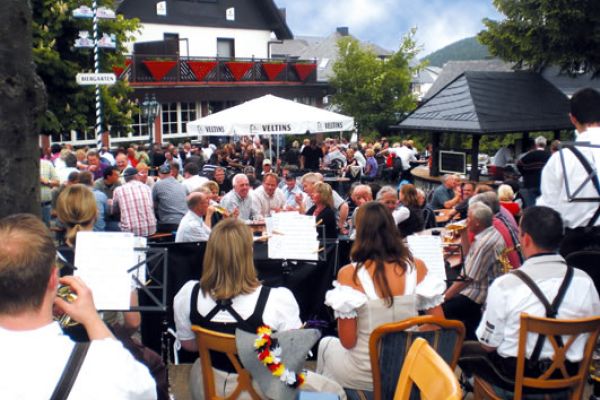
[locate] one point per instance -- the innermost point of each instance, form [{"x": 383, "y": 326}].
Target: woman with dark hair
[
  {"x": 415, "y": 221},
  {"x": 384, "y": 283}
]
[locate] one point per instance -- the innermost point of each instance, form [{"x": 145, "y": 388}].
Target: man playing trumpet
[{"x": 32, "y": 345}]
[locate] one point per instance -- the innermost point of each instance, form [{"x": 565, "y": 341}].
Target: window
[
  {"x": 139, "y": 127},
  {"x": 188, "y": 113},
  {"x": 225, "y": 48},
  {"x": 169, "y": 118}
]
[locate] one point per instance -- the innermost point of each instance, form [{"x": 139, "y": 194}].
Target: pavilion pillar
[
  {"x": 435, "y": 154},
  {"x": 474, "y": 175},
  {"x": 557, "y": 134}
]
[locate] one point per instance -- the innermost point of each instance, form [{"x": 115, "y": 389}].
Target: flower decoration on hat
[{"x": 269, "y": 353}]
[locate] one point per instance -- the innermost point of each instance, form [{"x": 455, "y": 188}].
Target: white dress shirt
[
  {"x": 554, "y": 189},
  {"x": 192, "y": 228},
  {"x": 266, "y": 204},
  {"x": 193, "y": 182},
  {"x": 509, "y": 296},
  {"x": 33, "y": 362}
]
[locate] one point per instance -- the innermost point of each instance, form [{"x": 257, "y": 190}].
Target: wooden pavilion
[{"x": 489, "y": 103}]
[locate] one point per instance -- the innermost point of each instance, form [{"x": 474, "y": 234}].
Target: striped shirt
[
  {"x": 482, "y": 265},
  {"x": 134, "y": 200}
]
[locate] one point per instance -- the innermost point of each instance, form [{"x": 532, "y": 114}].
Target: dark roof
[
  {"x": 493, "y": 102},
  {"x": 323, "y": 49},
  {"x": 453, "y": 69},
  {"x": 570, "y": 84},
  {"x": 249, "y": 14}
]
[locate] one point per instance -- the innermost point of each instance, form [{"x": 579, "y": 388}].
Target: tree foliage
[
  {"x": 372, "y": 90},
  {"x": 538, "y": 33},
  {"x": 70, "y": 106}
]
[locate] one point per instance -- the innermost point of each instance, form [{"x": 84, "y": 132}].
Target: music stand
[
  {"x": 152, "y": 283},
  {"x": 153, "y": 255}
]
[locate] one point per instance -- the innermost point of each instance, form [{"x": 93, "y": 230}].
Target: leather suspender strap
[
  {"x": 551, "y": 309},
  {"x": 70, "y": 372},
  {"x": 594, "y": 176}
]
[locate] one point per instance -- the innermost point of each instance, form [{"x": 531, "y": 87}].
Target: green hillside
[{"x": 465, "y": 49}]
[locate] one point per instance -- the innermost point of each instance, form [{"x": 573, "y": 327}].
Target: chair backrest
[
  {"x": 424, "y": 368},
  {"x": 389, "y": 344},
  {"x": 552, "y": 328},
  {"x": 224, "y": 343}
]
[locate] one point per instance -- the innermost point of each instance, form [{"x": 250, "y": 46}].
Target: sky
[{"x": 384, "y": 22}]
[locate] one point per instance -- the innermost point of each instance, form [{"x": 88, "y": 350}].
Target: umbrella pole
[
  {"x": 270, "y": 148},
  {"x": 277, "y": 147}
]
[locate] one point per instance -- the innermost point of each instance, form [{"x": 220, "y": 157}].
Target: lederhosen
[{"x": 251, "y": 324}]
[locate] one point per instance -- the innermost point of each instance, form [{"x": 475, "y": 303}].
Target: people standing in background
[
  {"x": 581, "y": 218},
  {"x": 530, "y": 165}
]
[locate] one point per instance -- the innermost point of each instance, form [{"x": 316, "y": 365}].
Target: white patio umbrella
[{"x": 270, "y": 115}]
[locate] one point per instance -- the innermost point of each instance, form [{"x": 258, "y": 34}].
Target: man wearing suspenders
[
  {"x": 573, "y": 167},
  {"x": 545, "y": 287}
]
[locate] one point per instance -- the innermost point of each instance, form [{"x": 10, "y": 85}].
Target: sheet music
[
  {"x": 102, "y": 260},
  {"x": 429, "y": 249},
  {"x": 293, "y": 236}
]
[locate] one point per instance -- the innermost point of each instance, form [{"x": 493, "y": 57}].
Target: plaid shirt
[
  {"x": 482, "y": 265},
  {"x": 134, "y": 200}
]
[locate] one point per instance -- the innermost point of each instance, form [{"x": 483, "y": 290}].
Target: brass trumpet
[
  {"x": 502, "y": 258},
  {"x": 65, "y": 293}
]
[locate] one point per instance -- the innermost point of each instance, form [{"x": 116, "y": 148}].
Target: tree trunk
[{"x": 22, "y": 99}]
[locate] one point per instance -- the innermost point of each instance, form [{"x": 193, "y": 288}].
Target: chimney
[{"x": 343, "y": 30}]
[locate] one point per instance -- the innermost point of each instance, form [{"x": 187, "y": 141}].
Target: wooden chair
[
  {"x": 224, "y": 343},
  {"x": 550, "y": 328},
  {"x": 389, "y": 344},
  {"x": 424, "y": 368}
]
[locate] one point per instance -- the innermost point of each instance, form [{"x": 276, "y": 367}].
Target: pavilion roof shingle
[{"x": 492, "y": 102}]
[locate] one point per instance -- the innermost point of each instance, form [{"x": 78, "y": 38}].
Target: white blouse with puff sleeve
[{"x": 345, "y": 300}]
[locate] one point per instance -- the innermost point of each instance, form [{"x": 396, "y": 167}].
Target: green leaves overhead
[
  {"x": 70, "y": 106},
  {"x": 539, "y": 33}
]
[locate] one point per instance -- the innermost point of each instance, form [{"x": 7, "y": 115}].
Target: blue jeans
[{"x": 47, "y": 213}]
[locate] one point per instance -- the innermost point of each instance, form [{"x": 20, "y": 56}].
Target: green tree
[
  {"x": 70, "y": 106},
  {"x": 538, "y": 33},
  {"x": 372, "y": 90}
]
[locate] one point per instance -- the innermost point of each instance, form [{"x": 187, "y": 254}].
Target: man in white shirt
[
  {"x": 34, "y": 347},
  {"x": 195, "y": 226},
  {"x": 504, "y": 156},
  {"x": 268, "y": 197},
  {"x": 508, "y": 297},
  {"x": 191, "y": 179},
  {"x": 581, "y": 218},
  {"x": 405, "y": 154},
  {"x": 239, "y": 200}
]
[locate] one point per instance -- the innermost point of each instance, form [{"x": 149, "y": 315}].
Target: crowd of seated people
[{"x": 201, "y": 193}]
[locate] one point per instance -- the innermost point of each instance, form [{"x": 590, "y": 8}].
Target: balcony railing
[{"x": 147, "y": 69}]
